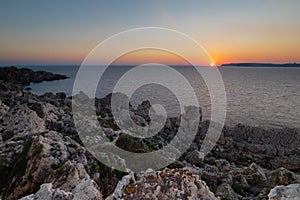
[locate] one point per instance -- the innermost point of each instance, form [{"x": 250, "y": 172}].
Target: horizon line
[{"x": 129, "y": 64}]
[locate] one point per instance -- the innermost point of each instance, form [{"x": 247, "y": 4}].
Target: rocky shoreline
[
  {"x": 42, "y": 156},
  {"x": 24, "y": 76}
]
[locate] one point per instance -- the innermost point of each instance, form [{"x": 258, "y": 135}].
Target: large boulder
[
  {"x": 193, "y": 157},
  {"x": 87, "y": 190},
  {"x": 281, "y": 176},
  {"x": 290, "y": 192}
]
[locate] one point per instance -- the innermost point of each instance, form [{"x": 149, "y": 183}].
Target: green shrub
[
  {"x": 98, "y": 166},
  {"x": 21, "y": 161},
  {"x": 131, "y": 144},
  {"x": 6, "y": 100},
  {"x": 3, "y": 167},
  {"x": 29, "y": 178},
  {"x": 38, "y": 150},
  {"x": 60, "y": 168},
  {"x": 277, "y": 180},
  {"x": 119, "y": 174},
  {"x": 267, "y": 190},
  {"x": 74, "y": 136},
  {"x": 211, "y": 187},
  {"x": 109, "y": 124},
  {"x": 226, "y": 197},
  {"x": 77, "y": 139},
  {"x": 237, "y": 187}
]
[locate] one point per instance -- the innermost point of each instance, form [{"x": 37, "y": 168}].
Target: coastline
[
  {"x": 260, "y": 65},
  {"x": 40, "y": 145},
  {"x": 25, "y": 76}
]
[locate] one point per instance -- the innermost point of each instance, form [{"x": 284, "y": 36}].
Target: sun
[{"x": 212, "y": 64}]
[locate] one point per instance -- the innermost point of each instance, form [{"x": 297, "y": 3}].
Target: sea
[{"x": 267, "y": 97}]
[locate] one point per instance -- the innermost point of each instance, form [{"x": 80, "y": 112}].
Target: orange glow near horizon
[
  {"x": 148, "y": 56},
  {"x": 151, "y": 56},
  {"x": 221, "y": 49},
  {"x": 145, "y": 56},
  {"x": 264, "y": 52},
  {"x": 220, "y": 52}
]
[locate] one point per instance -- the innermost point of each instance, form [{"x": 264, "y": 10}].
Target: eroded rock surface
[
  {"x": 291, "y": 192},
  {"x": 165, "y": 184}
]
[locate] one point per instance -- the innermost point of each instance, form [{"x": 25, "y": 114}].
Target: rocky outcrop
[
  {"x": 38, "y": 146},
  {"x": 166, "y": 184},
  {"x": 24, "y": 76},
  {"x": 53, "y": 158},
  {"x": 226, "y": 192},
  {"x": 49, "y": 157},
  {"x": 46, "y": 192},
  {"x": 291, "y": 192},
  {"x": 270, "y": 148},
  {"x": 87, "y": 190}
]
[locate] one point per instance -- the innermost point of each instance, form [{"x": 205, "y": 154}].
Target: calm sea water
[{"x": 257, "y": 96}]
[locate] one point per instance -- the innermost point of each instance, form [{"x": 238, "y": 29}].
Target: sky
[{"x": 64, "y": 32}]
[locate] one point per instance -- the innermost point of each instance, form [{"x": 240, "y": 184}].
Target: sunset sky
[{"x": 64, "y": 32}]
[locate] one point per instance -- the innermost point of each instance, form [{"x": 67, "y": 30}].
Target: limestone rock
[
  {"x": 193, "y": 157},
  {"x": 165, "y": 184},
  {"x": 224, "y": 191},
  {"x": 87, "y": 190},
  {"x": 282, "y": 176},
  {"x": 290, "y": 192}
]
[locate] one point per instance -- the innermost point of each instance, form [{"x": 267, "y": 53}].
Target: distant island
[{"x": 262, "y": 65}]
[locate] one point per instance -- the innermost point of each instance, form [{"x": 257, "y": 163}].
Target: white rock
[
  {"x": 45, "y": 192},
  {"x": 290, "y": 192},
  {"x": 29, "y": 197},
  {"x": 87, "y": 190}
]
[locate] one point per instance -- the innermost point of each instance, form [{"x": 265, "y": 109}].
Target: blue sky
[{"x": 65, "y": 31}]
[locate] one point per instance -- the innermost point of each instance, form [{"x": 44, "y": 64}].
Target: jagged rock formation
[
  {"x": 39, "y": 145},
  {"x": 271, "y": 148}
]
